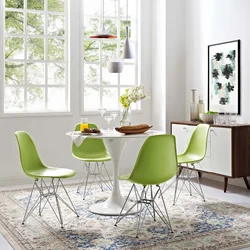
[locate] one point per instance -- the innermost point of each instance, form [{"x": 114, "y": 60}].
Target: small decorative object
[
  {"x": 209, "y": 117},
  {"x": 108, "y": 118},
  {"x": 194, "y": 113},
  {"x": 136, "y": 129},
  {"x": 134, "y": 94},
  {"x": 114, "y": 115},
  {"x": 125, "y": 116},
  {"x": 115, "y": 65},
  {"x": 224, "y": 77},
  {"x": 200, "y": 106},
  {"x": 102, "y": 112}
]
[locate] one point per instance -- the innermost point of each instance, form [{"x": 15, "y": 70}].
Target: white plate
[{"x": 85, "y": 133}]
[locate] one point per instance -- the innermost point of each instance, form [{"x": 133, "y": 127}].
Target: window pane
[
  {"x": 123, "y": 25},
  {"x": 56, "y": 73},
  {"x": 17, "y": 4},
  {"x": 55, "y": 49},
  {"x": 14, "y": 99},
  {"x": 35, "y": 99},
  {"x": 14, "y": 48},
  {"x": 14, "y": 22},
  {"x": 35, "y": 73},
  {"x": 109, "y": 78},
  {"x": 92, "y": 7},
  {"x": 108, "y": 49},
  {"x": 123, "y": 8},
  {"x": 128, "y": 75},
  {"x": 111, "y": 26},
  {"x": 92, "y": 74},
  {"x": 130, "y": 8},
  {"x": 35, "y": 24},
  {"x": 110, "y": 98},
  {"x": 111, "y": 8},
  {"x": 14, "y": 73},
  {"x": 35, "y": 48},
  {"x": 56, "y": 25},
  {"x": 91, "y": 99},
  {"x": 56, "y": 5},
  {"x": 35, "y": 4},
  {"x": 91, "y": 51},
  {"x": 91, "y": 26},
  {"x": 56, "y": 98}
]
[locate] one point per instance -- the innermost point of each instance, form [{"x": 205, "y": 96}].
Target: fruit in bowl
[{"x": 209, "y": 117}]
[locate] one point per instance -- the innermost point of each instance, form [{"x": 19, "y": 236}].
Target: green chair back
[
  {"x": 29, "y": 157},
  {"x": 197, "y": 145},
  {"x": 156, "y": 162},
  {"x": 90, "y": 148}
]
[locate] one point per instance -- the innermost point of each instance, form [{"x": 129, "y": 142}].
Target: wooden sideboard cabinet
[{"x": 228, "y": 149}]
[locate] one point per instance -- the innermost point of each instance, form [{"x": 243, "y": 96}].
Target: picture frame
[{"x": 224, "y": 77}]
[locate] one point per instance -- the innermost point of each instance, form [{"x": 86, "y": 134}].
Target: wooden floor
[{"x": 237, "y": 195}]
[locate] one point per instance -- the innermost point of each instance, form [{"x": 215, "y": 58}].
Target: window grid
[
  {"x": 46, "y": 61},
  {"x": 118, "y": 86}
]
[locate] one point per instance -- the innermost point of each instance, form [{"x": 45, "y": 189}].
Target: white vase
[{"x": 125, "y": 116}]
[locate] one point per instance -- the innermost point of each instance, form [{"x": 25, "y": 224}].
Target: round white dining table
[{"x": 115, "y": 143}]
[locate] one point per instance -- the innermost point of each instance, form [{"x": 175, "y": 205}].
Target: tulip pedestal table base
[{"x": 114, "y": 203}]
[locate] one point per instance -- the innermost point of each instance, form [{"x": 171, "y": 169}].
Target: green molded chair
[
  {"x": 156, "y": 163},
  {"x": 194, "y": 153},
  {"x": 94, "y": 155},
  {"x": 34, "y": 168}
]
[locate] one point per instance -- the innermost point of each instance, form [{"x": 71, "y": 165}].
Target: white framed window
[
  {"x": 99, "y": 88},
  {"x": 36, "y": 56}
]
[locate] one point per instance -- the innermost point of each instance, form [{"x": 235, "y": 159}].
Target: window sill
[
  {"x": 94, "y": 113},
  {"x": 42, "y": 114}
]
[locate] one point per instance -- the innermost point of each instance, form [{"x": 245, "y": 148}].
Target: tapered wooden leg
[
  {"x": 246, "y": 181},
  {"x": 225, "y": 184}
]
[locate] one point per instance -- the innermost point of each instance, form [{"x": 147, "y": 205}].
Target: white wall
[
  {"x": 210, "y": 22},
  {"x": 168, "y": 62},
  {"x": 48, "y": 132}
]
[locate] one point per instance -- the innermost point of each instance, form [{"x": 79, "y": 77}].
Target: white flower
[{"x": 133, "y": 95}]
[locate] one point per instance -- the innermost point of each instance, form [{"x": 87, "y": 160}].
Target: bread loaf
[{"x": 134, "y": 127}]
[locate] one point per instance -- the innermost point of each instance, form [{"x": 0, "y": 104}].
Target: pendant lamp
[
  {"x": 103, "y": 33},
  {"x": 115, "y": 65},
  {"x": 127, "y": 51}
]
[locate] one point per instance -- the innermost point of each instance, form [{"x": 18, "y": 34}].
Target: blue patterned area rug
[{"x": 196, "y": 224}]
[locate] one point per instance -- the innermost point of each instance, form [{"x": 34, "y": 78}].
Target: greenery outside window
[
  {"x": 36, "y": 56},
  {"x": 102, "y": 89}
]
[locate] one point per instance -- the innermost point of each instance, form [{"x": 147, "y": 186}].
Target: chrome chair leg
[
  {"x": 45, "y": 192},
  {"x": 95, "y": 171},
  {"x": 144, "y": 202},
  {"x": 57, "y": 203},
  {"x": 191, "y": 185}
]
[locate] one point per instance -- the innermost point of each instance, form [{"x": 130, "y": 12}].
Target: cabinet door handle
[{"x": 211, "y": 130}]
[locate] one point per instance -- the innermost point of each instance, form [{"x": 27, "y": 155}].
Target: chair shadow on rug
[
  {"x": 34, "y": 168},
  {"x": 156, "y": 163}
]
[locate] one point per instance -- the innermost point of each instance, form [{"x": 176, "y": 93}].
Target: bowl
[{"x": 208, "y": 118}]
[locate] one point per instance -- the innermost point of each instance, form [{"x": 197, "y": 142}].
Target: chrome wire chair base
[
  {"x": 146, "y": 203},
  {"x": 97, "y": 172},
  {"x": 45, "y": 193},
  {"x": 184, "y": 174}
]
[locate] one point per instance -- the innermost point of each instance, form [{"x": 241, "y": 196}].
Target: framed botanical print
[{"x": 224, "y": 77}]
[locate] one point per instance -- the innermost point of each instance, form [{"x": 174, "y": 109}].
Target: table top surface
[{"x": 115, "y": 134}]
